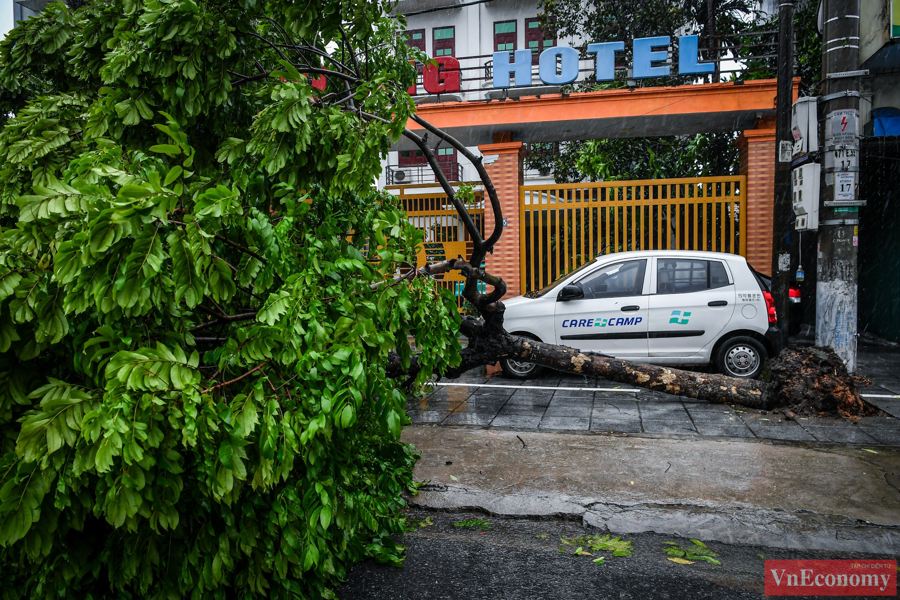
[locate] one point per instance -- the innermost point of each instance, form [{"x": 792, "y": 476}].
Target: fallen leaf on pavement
[{"x": 681, "y": 561}]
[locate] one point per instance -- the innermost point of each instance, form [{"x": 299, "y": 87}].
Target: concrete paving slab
[
  {"x": 587, "y": 402},
  {"x": 523, "y": 409},
  {"x": 674, "y": 427},
  {"x": 517, "y": 421},
  {"x": 714, "y": 417},
  {"x": 618, "y": 401},
  {"x": 884, "y": 436},
  {"x": 428, "y": 416},
  {"x": 840, "y": 434},
  {"x": 889, "y": 405},
  {"x": 608, "y": 425},
  {"x": 793, "y": 433},
  {"x": 470, "y": 418},
  {"x": 716, "y": 430},
  {"x": 566, "y": 423},
  {"x": 814, "y": 496},
  {"x": 583, "y": 412},
  {"x": 533, "y": 393},
  {"x": 652, "y": 411},
  {"x": 614, "y": 414}
]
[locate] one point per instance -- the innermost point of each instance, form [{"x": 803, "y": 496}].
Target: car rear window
[{"x": 682, "y": 276}]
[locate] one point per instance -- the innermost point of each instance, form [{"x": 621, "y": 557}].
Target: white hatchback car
[{"x": 662, "y": 307}]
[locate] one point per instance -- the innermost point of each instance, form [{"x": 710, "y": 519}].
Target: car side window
[
  {"x": 616, "y": 280},
  {"x": 681, "y": 276},
  {"x": 718, "y": 276}
]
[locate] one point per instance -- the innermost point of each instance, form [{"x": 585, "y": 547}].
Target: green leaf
[
  {"x": 169, "y": 149},
  {"x": 347, "y": 416},
  {"x": 173, "y": 174}
]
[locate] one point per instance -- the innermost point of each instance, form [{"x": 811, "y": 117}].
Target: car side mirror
[{"x": 572, "y": 291}]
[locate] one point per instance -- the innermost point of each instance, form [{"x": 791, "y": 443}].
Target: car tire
[
  {"x": 741, "y": 356},
  {"x": 515, "y": 369}
]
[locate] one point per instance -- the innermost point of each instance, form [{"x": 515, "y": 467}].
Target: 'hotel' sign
[{"x": 559, "y": 65}]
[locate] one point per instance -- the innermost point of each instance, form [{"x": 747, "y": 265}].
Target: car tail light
[
  {"x": 794, "y": 294},
  {"x": 770, "y": 308}
]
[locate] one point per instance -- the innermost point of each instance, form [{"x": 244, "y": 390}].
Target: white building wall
[
  {"x": 7, "y": 21},
  {"x": 474, "y": 46}
]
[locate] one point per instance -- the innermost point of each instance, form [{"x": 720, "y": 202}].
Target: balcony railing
[{"x": 413, "y": 174}]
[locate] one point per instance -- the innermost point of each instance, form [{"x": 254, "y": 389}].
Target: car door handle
[
  {"x": 630, "y": 308},
  {"x": 718, "y": 303}
]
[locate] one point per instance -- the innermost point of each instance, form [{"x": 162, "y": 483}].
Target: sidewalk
[{"x": 565, "y": 402}]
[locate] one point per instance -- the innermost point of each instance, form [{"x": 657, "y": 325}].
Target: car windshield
[{"x": 546, "y": 290}]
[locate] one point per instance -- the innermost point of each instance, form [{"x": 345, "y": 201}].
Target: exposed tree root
[{"x": 814, "y": 381}]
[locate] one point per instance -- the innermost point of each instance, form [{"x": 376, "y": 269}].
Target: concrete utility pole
[
  {"x": 836, "y": 293},
  {"x": 783, "y": 213}
]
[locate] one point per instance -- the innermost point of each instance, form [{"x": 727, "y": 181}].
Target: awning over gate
[{"x": 646, "y": 112}]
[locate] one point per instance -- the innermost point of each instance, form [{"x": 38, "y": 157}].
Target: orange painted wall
[
  {"x": 506, "y": 175},
  {"x": 757, "y": 154}
]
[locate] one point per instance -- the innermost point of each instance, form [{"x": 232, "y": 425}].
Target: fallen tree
[{"x": 204, "y": 349}]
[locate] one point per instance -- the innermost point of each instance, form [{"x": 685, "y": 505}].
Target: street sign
[
  {"x": 844, "y": 186},
  {"x": 842, "y": 158},
  {"x": 842, "y": 126}
]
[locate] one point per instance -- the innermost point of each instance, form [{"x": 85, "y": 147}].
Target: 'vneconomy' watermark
[{"x": 831, "y": 578}]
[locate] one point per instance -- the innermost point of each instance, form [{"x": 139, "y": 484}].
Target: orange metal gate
[{"x": 564, "y": 225}]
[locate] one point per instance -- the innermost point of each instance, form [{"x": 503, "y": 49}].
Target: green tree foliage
[
  {"x": 195, "y": 299},
  {"x": 618, "y": 159},
  {"x": 624, "y": 20},
  {"x": 808, "y": 58}
]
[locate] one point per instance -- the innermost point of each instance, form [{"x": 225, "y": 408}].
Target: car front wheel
[
  {"x": 519, "y": 369},
  {"x": 742, "y": 357}
]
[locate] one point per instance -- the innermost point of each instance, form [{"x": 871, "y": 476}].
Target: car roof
[{"x": 671, "y": 253}]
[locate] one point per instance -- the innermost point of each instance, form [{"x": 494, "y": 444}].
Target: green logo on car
[{"x": 676, "y": 317}]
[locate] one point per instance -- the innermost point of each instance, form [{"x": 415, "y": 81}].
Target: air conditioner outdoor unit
[{"x": 399, "y": 175}]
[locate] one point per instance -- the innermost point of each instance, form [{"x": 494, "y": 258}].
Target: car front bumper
[{"x": 775, "y": 339}]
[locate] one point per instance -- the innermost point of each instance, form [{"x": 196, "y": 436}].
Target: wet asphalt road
[{"x": 515, "y": 561}]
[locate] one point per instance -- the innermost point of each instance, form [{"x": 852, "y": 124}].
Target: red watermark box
[{"x": 831, "y": 578}]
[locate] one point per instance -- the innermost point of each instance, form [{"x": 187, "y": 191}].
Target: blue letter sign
[
  {"x": 521, "y": 68},
  {"x": 606, "y": 58},
  {"x": 568, "y": 61},
  {"x": 560, "y": 65},
  {"x": 687, "y": 57},
  {"x": 645, "y": 56}
]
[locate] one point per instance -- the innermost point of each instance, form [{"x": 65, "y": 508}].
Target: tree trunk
[{"x": 486, "y": 346}]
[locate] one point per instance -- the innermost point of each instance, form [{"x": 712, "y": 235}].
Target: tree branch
[
  {"x": 482, "y": 174},
  {"x": 224, "y": 319},
  {"x": 236, "y": 379}
]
